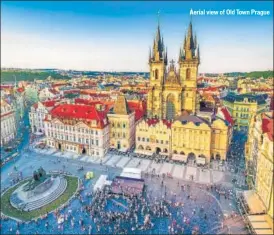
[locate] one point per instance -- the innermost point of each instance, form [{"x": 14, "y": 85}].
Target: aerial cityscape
[{"x": 137, "y": 117}]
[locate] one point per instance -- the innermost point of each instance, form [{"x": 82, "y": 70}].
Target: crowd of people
[{"x": 103, "y": 212}]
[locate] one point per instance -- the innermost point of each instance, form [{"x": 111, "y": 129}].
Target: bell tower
[
  {"x": 157, "y": 62},
  {"x": 189, "y": 61}
]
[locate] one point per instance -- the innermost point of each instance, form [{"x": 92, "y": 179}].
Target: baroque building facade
[
  {"x": 82, "y": 129},
  {"x": 171, "y": 91},
  {"x": 8, "y": 125}
]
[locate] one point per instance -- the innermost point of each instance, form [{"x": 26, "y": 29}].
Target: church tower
[
  {"x": 157, "y": 62},
  {"x": 189, "y": 61}
]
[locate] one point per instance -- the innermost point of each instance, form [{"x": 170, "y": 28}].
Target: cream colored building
[
  {"x": 196, "y": 138},
  {"x": 257, "y": 203},
  {"x": 153, "y": 136},
  {"x": 8, "y": 125},
  {"x": 81, "y": 129},
  {"x": 122, "y": 125},
  {"x": 38, "y": 113},
  {"x": 188, "y": 137}
]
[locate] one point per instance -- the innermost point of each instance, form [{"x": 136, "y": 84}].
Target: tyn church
[{"x": 171, "y": 91}]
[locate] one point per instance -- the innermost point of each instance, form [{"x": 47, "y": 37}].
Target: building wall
[
  {"x": 36, "y": 117},
  {"x": 77, "y": 137},
  {"x": 8, "y": 127},
  {"x": 153, "y": 138},
  {"x": 189, "y": 138},
  {"x": 264, "y": 175},
  {"x": 243, "y": 111},
  {"x": 220, "y": 139},
  {"x": 122, "y": 131}
]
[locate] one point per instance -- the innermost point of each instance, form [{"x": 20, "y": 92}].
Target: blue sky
[{"x": 116, "y": 36}]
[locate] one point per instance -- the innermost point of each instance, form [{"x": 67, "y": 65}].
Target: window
[
  {"x": 97, "y": 142},
  {"x": 113, "y": 125},
  {"x": 113, "y": 134},
  {"x": 124, "y": 125},
  {"x": 147, "y": 139},
  {"x": 166, "y": 142},
  {"x": 162, "y": 141},
  {"x": 188, "y": 73},
  {"x": 139, "y": 138},
  {"x": 96, "y": 132},
  {"x": 87, "y": 141},
  {"x": 124, "y": 135},
  {"x": 143, "y": 139},
  {"x": 92, "y": 142},
  {"x": 156, "y": 74}
]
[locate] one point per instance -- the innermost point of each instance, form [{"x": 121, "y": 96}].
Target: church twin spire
[
  {"x": 158, "y": 54},
  {"x": 190, "y": 49}
]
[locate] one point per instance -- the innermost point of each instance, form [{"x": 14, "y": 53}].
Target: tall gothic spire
[
  {"x": 190, "y": 45},
  {"x": 158, "y": 44}
]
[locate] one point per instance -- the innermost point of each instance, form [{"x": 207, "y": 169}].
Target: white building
[
  {"x": 82, "y": 129},
  {"x": 8, "y": 126},
  {"x": 38, "y": 113},
  {"x": 47, "y": 94}
]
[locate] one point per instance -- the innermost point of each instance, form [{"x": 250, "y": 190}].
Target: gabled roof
[
  {"x": 139, "y": 107},
  {"x": 154, "y": 121},
  {"x": 225, "y": 114},
  {"x": 85, "y": 113},
  {"x": 267, "y": 125},
  {"x": 121, "y": 106}
]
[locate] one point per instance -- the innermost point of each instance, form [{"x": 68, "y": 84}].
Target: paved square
[
  {"x": 167, "y": 168},
  {"x": 178, "y": 171},
  {"x": 155, "y": 166},
  {"x": 113, "y": 160},
  {"x": 144, "y": 164},
  {"x": 217, "y": 176},
  {"x": 191, "y": 171},
  {"x": 134, "y": 162},
  {"x": 204, "y": 176},
  {"x": 122, "y": 162}
]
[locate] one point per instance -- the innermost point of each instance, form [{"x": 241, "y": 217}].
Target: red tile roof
[
  {"x": 50, "y": 103},
  {"x": 85, "y": 113},
  {"x": 154, "y": 121},
  {"x": 6, "y": 86},
  {"x": 20, "y": 89},
  {"x": 72, "y": 91},
  {"x": 139, "y": 107},
  {"x": 267, "y": 126},
  {"x": 108, "y": 104},
  {"x": 227, "y": 115}
]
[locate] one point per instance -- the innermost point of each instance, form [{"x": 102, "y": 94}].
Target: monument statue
[{"x": 39, "y": 177}]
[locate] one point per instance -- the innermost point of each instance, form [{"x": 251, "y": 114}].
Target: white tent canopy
[
  {"x": 134, "y": 173},
  {"x": 101, "y": 182}
]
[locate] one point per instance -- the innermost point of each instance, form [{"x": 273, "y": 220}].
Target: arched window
[
  {"x": 156, "y": 74},
  {"x": 188, "y": 73}
]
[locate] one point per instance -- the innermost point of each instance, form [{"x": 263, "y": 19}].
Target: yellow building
[
  {"x": 187, "y": 138},
  {"x": 243, "y": 106},
  {"x": 153, "y": 136},
  {"x": 260, "y": 152},
  {"x": 122, "y": 125},
  {"x": 170, "y": 91},
  {"x": 196, "y": 138}
]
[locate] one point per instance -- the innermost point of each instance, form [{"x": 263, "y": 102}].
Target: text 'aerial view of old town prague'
[{"x": 138, "y": 117}]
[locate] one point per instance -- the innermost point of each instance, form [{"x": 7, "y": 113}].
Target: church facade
[{"x": 172, "y": 91}]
